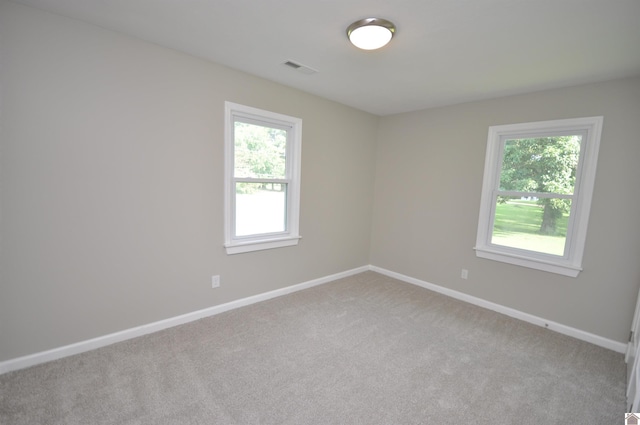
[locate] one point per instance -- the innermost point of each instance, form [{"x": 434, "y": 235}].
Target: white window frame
[
  {"x": 290, "y": 236},
  {"x": 571, "y": 263}
]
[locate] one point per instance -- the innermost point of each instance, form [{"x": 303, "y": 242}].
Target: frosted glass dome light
[{"x": 370, "y": 33}]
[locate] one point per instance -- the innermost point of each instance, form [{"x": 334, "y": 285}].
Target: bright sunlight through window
[
  {"x": 262, "y": 177},
  {"x": 537, "y": 193}
]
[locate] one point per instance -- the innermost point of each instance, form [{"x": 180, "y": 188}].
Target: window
[
  {"x": 262, "y": 179},
  {"x": 536, "y": 193}
]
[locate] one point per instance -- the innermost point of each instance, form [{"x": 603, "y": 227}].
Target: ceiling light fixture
[{"x": 370, "y": 33}]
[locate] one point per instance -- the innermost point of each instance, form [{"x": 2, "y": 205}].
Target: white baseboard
[
  {"x": 557, "y": 327},
  {"x": 91, "y": 344},
  {"x": 102, "y": 341}
]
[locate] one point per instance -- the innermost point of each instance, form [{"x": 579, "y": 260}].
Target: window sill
[
  {"x": 259, "y": 245},
  {"x": 559, "y": 267}
]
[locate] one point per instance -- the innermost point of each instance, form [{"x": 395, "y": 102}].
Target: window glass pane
[
  {"x": 544, "y": 165},
  {"x": 533, "y": 224},
  {"x": 260, "y": 208},
  {"x": 259, "y": 152}
]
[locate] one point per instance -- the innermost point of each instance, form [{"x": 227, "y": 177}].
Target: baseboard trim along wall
[
  {"x": 91, "y": 344},
  {"x": 102, "y": 341},
  {"x": 516, "y": 314}
]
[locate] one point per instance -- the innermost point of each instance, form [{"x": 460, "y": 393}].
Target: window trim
[
  {"x": 571, "y": 263},
  {"x": 290, "y": 237}
]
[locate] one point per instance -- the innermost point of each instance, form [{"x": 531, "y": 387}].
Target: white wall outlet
[
  {"x": 215, "y": 281},
  {"x": 464, "y": 274}
]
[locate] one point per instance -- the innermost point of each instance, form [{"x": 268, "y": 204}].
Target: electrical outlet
[
  {"x": 215, "y": 281},
  {"x": 464, "y": 274}
]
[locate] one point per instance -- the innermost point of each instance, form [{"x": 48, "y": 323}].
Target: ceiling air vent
[{"x": 300, "y": 68}]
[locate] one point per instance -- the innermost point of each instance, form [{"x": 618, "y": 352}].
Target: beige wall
[
  {"x": 112, "y": 179},
  {"x": 111, "y": 194},
  {"x": 428, "y": 182}
]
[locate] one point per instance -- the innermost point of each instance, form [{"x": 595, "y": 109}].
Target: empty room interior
[{"x": 394, "y": 261}]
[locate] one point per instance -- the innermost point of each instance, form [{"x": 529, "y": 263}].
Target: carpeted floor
[{"x": 366, "y": 349}]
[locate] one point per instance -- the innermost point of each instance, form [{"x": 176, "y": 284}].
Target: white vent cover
[{"x": 300, "y": 68}]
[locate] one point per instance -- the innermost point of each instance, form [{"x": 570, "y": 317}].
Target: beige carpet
[{"x": 362, "y": 350}]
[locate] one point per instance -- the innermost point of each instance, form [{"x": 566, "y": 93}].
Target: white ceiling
[{"x": 444, "y": 51}]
